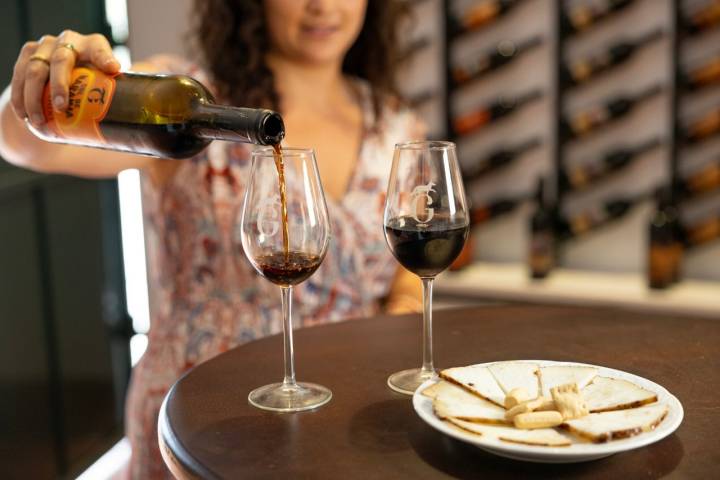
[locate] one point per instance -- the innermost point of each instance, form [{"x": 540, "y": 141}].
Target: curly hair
[{"x": 232, "y": 39}]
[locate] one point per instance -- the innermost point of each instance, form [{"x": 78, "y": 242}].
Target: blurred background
[{"x": 589, "y": 137}]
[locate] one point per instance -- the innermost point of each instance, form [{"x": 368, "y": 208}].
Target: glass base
[
  {"x": 407, "y": 381},
  {"x": 279, "y": 397}
]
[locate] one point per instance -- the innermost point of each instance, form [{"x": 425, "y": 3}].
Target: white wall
[{"x": 158, "y": 26}]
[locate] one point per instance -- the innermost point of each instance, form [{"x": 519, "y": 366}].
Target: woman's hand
[{"x": 53, "y": 58}]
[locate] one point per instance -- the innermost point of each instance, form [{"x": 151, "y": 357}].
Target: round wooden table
[{"x": 207, "y": 429}]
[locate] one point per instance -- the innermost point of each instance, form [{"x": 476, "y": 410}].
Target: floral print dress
[{"x": 206, "y": 298}]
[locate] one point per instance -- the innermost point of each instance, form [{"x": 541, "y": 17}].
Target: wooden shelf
[{"x": 510, "y": 281}]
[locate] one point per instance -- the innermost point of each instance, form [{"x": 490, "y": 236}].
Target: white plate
[{"x": 577, "y": 452}]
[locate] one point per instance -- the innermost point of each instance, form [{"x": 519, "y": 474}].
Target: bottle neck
[{"x": 237, "y": 124}]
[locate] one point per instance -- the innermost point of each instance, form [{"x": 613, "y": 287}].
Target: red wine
[
  {"x": 425, "y": 251},
  {"x": 283, "y": 196},
  {"x": 287, "y": 269}
]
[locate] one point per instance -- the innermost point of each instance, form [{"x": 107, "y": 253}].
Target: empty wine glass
[
  {"x": 426, "y": 225},
  {"x": 285, "y": 233}
]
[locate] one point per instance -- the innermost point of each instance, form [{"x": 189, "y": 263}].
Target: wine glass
[
  {"x": 426, "y": 225},
  {"x": 286, "y": 185}
]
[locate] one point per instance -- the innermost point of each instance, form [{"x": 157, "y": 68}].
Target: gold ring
[
  {"x": 39, "y": 58},
  {"x": 69, "y": 46}
]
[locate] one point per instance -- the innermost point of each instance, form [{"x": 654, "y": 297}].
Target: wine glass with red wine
[
  {"x": 285, "y": 233},
  {"x": 426, "y": 225}
]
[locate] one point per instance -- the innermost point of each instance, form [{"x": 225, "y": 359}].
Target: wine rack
[{"x": 610, "y": 103}]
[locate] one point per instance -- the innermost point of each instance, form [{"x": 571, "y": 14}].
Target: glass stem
[
  {"x": 289, "y": 379},
  {"x": 427, "y": 366}
]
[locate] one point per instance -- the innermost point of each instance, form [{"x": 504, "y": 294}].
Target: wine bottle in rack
[
  {"x": 703, "y": 128},
  {"x": 499, "y": 159},
  {"x": 587, "y": 121},
  {"x": 596, "y": 217},
  {"x": 582, "y": 17},
  {"x": 665, "y": 250},
  {"x": 419, "y": 99},
  {"x": 480, "y": 215},
  {"x": 414, "y": 47},
  {"x": 497, "y": 208},
  {"x": 705, "y": 17},
  {"x": 470, "y": 122},
  {"x": 702, "y": 232},
  {"x": 480, "y": 15},
  {"x": 581, "y": 71},
  {"x": 704, "y": 75},
  {"x": 582, "y": 176},
  {"x": 705, "y": 180},
  {"x": 541, "y": 254},
  {"x": 503, "y": 53}
]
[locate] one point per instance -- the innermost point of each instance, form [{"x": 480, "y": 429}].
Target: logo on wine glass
[
  {"x": 269, "y": 212},
  {"x": 421, "y": 201}
]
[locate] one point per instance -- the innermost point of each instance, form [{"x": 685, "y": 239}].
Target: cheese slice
[
  {"x": 546, "y": 437},
  {"x": 432, "y": 390},
  {"x": 454, "y": 401},
  {"x": 554, "y": 376},
  {"x": 511, "y": 375},
  {"x": 478, "y": 380},
  {"x": 607, "y": 426},
  {"x": 605, "y": 394}
]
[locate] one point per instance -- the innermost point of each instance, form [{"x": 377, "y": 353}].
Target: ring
[
  {"x": 69, "y": 46},
  {"x": 39, "y": 58}
]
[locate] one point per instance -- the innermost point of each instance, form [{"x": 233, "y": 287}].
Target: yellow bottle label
[{"x": 90, "y": 96}]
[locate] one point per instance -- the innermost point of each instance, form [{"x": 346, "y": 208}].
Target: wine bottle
[
  {"x": 583, "y": 17},
  {"x": 475, "y": 120},
  {"x": 665, "y": 250},
  {"x": 491, "y": 60},
  {"x": 500, "y": 158},
  {"x": 706, "y": 74},
  {"x": 414, "y": 47},
  {"x": 702, "y": 232},
  {"x": 170, "y": 116},
  {"x": 581, "y": 71},
  {"x": 497, "y": 208},
  {"x": 702, "y": 128},
  {"x": 480, "y": 215},
  {"x": 480, "y": 15},
  {"x": 541, "y": 255},
  {"x": 702, "y": 181},
  {"x": 704, "y": 18},
  {"x": 596, "y": 117},
  {"x": 579, "y": 177},
  {"x": 421, "y": 98},
  {"x": 596, "y": 217}
]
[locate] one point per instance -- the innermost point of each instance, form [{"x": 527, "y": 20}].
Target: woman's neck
[{"x": 292, "y": 79}]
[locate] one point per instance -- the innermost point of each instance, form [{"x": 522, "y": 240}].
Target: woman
[{"x": 327, "y": 66}]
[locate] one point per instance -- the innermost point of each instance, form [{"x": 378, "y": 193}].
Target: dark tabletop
[{"x": 209, "y": 430}]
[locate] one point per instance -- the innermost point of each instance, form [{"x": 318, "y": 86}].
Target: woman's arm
[
  {"x": 22, "y": 99},
  {"x": 405, "y": 294}
]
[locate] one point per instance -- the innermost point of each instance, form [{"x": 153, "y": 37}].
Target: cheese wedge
[
  {"x": 546, "y": 437},
  {"x": 454, "y": 401},
  {"x": 478, "y": 380},
  {"x": 432, "y": 390},
  {"x": 510, "y": 375},
  {"x": 607, "y": 426},
  {"x": 606, "y": 394},
  {"x": 560, "y": 375}
]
